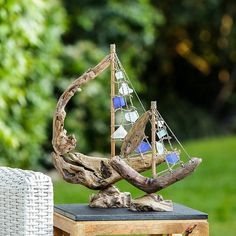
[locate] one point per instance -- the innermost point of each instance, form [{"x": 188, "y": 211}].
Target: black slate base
[{"x": 82, "y": 212}]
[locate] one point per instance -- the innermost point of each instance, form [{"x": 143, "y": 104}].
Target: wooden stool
[{"x": 81, "y": 220}]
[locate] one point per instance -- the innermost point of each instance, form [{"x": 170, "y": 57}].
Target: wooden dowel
[
  {"x": 153, "y": 108},
  {"x": 62, "y": 142},
  {"x": 112, "y": 52}
]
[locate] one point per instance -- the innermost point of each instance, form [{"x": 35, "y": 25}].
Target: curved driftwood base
[
  {"x": 110, "y": 198},
  {"x": 151, "y": 185},
  {"x": 151, "y": 202}
]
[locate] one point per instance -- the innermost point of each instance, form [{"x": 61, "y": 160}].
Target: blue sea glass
[
  {"x": 143, "y": 147},
  {"x": 172, "y": 158},
  {"x": 118, "y": 102}
]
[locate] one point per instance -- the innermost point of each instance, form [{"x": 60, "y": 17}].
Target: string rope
[
  {"x": 130, "y": 106},
  {"x": 118, "y": 84},
  {"x": 174, "y": 136}
]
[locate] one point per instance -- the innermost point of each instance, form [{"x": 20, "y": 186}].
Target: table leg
[{"x": 57, "y": 232}]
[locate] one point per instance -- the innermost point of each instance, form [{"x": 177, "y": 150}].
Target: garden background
[{"x": 180, "y": 53}]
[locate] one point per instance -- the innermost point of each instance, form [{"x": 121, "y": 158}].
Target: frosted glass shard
[
  {"x": 160, "y": 148},
  {"x": 161, "y": 133},
  {"x": 118, "y": 102},
  {"x": 143, "y": 147},
  {"x": 131, "y": 116},
  {"x": 119, "y": 133},
  {"x": 119, "y": 75},
  {"x": 172, "y": 158},
  {"x": 160, "y": 123},
  {"x": 125, "y": 89}
]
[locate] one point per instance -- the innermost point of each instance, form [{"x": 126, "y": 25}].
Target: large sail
[
  {"x": 127, "y": 114},
  {"x": 125, "y": 110}
]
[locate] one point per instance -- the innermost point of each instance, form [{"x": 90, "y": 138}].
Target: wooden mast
[
  {"x": 112, "y": 52},
  {"x": 153, "y": 108}
]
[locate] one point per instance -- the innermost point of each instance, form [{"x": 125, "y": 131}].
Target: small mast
[
  {"x": 153, "y": 109},
  {"x": 112, "y": 53}
]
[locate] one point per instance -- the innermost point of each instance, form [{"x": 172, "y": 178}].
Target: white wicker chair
[{"x": 26, "y": 203}]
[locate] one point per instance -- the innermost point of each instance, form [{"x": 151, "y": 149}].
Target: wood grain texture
[
  {"x": 154, "y": 157},
  {"x": 151, "y": 202},
  {"x": 151, "y": 227},
  {"x": 63, "y": 143},
  {"x": 151, "y": 185},
  {"x": 135, "y": 135},
  {"x": 110, "y": 198},
  {"x": 78, "y": 168},
  {"x": 113, "y": 142}
]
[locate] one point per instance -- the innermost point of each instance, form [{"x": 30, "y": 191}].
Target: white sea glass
[
  {"x": 119, "y": 133},
  {"x": 160, "y": 123},
  {"x": 161, "y": 133},
  {"x": 125, "y": 89},
  {"x": 160, "y": 148},
  {"x": 131, "y": 116},
  {"x": 119, "y": 75}
]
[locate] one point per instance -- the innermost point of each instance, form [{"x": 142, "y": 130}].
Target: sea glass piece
[
  {"x": 160, "y": 123},
  {"x": 143, "y": 147},
  {"x": 119, "y": 133},
  {"x": 172, "y": 158},
  {"x": 160, "y": 148},
  {"x": 119, "y": 75},
  {"x": 125, "y": 89},
  {"x": 131, "y": 116},
  {"x": 118, "y": 102},
  {"x": 161, "y": 133}
]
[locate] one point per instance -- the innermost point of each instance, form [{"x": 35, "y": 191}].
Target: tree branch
[{"x": 151, "y": 185}]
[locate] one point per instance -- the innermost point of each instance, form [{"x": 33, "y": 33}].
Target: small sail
[
  {"x": 135, "y": 135},
  {"x": 119, "y": 75},
  {"x": 131, "y": 116},
  {"x": 143, "y": 147},
  {"x": 172, "y": 158},
  {"x": 125, "y": 89},
  {"x": 160, "y": 148},
  {"x": 118, "y": 102},
  {"x": 161, "y": 133},
  {"x": 120, "y": 133}
]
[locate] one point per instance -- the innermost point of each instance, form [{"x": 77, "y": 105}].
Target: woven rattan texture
[{"x": 26, "y": 203}]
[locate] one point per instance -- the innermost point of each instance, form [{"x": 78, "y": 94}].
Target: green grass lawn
[{"x": 211, "y": 189}]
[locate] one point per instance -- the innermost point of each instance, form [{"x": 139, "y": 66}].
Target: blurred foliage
[
  {"x": 30, "y": 44},
  {"x": 90, "y": 31},
  {"x": 193, "y": 68}
]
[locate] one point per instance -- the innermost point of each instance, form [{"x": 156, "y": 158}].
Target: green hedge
[
  {"x": 30, "y": 44},
  {"x": 133, "y": 26}
]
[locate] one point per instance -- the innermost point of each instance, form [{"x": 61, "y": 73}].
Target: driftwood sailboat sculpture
[{"x": 136, "y": 153}]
